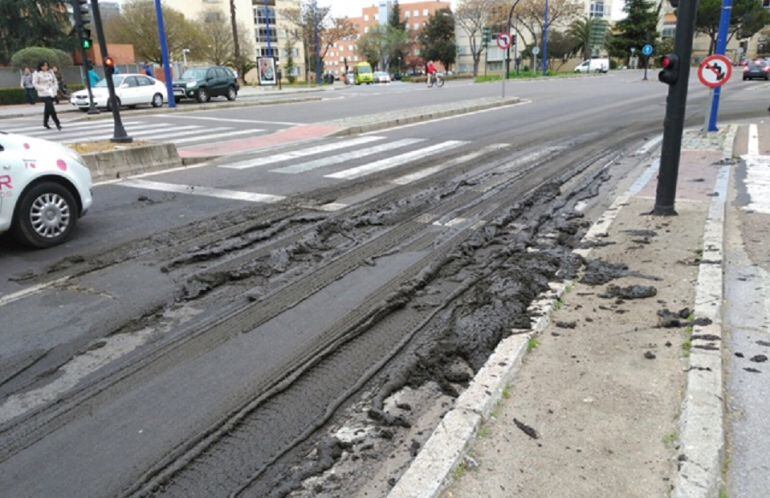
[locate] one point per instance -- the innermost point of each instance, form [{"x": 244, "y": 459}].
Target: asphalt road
[{"x": 103, "y": 374}]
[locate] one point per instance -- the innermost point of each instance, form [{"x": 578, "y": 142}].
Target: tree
[
  {"x": 395, "y": 17},
  {"x": 24, "y": 23},
  {"x": 398, "y": 39},
  {"x": 748, "y": 18},
  {"x": 473, "y": 16},
  {"x": 338, "y": 29},
  {"x": 561, "y": 46},
  {"x": 32, "y": 56},
  {"x": 530, "y": 20},
  {"x": 236, "y": 46},
  {"x": 369, "y": 45},
  {"x": 138, "y": 26},
  {"x": 583, "y": 32},
  {"x": 290, "y": 60},
  {"x": 217, "y": 39},
  {"x": 437, "y": 38},
  {"x": 309, "y": 20},
  {"x": 636, "y": 30}
]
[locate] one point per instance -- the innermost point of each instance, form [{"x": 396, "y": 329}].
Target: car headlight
[{"x": 191, "y": 84}]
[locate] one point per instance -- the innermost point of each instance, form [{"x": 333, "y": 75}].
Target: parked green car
[{"x": 202, "y": 83}]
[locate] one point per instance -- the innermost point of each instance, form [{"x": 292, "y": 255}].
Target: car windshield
[
  {"x": 756, "y": 65},
  {"x": 117, "y": 80},
  {"x": 364, "y": 70},
  {"x": 194, "y": 74}
]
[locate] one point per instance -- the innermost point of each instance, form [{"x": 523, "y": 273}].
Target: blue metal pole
[
  {"x": 545, "y": 40},
  {"x": 267, "y": 22},
  {"x": 164, "y": 55},
  {"x": 724, "y": 26}
]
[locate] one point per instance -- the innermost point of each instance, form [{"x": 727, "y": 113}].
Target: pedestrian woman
[
  {"x": 45, "y": 84},
  {"x": 29, "y": 88},
  {"x": 61, "y": 92}
]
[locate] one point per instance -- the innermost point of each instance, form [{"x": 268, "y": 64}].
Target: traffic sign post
[
  {"x": 535, "y": 52},
  {"x": 724, "y": 25},
  {"x": 714, "y": 72},
  {"x": 504, "y": 42}
]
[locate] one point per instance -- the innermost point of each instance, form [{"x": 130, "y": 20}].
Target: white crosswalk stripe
[
  {"x": 202, "y": 191},
  {"x": 208, "y": 137},
  {"x": 348, "y": 156},
  {"x": 142, "y": 133},
  {"x": 90, "y": 134},
  {"x": 395, "y": 161},
  {"x": 310, "y": 151},
  {"x": 423, "y": 173},
  {"x": 39, "y": 130}
]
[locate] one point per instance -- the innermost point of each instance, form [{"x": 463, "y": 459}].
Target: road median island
[
  {"x": 136, "y": 159},
  {"x": 619, "y": 390}
]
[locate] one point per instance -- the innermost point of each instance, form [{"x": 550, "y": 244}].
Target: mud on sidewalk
[{"x": 594, "y": 409}]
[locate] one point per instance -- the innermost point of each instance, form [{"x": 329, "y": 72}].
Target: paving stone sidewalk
[{"x": 595, "y": 409}]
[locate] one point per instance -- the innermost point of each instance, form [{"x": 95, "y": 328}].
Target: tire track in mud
[
  {"x": 238, "y": 451},
  {"x": 196, "y": 340}
]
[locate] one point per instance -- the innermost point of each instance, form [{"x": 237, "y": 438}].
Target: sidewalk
[{"x": 621, "y": 394}]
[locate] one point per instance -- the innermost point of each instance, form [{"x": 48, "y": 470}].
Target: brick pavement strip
[{"x": 619, "y": 405}]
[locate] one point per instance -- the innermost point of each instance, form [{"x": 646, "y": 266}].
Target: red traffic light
[
  {"x": 667, "y": 62},
  {"x": 109, "y": 62},
  {"x": 670, "y": 73}
]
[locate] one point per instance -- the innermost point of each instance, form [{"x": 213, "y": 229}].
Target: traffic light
[
  {"x": 670, "y": 72},
  {"x": 82, "y": 15},
  {"x": 486, "y": 36},
  {"x": 109, "y": 62}
]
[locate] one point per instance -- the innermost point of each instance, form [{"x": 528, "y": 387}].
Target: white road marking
[
  {"x": 39, "y": 130},
  {"x": 89, "y": 134},
  {"x": 277, "y": 158},
  {"x": 648, "y": 146},
  {"x": 392, "y": 162},
  {"x": 753, "y": 148},
  {"x": 208, "y": 137},
  {"x": 349, "y": 156},
  {"x": 419, "y": 175},
  {"x": 153, "y": 131},
  {"x": 229, "y": 120},
  {"x": 202, "y": 191},
  {"x": 472, "y": 113},
  {"x": 29, "y": 291}
]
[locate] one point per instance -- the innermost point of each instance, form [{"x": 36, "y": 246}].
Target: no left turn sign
[{"x": 715, "y": 71}]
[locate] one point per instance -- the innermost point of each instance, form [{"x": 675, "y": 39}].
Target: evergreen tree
[
  {"x": 437, "y": 38},
  {"x": 637, "y": 29},
  {"x": 747, "y": 19},
  {"x": 395, "y": 18},
  {"x": 24, "y": 23}
]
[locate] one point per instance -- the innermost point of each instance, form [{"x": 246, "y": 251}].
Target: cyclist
[{"x": 431, "y": 69}]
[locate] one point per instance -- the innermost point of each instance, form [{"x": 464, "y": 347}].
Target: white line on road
[
  {"x": 437, "y": 120},
  {"x": 648, "y": 146},
  {"x": 153, "y": 131},
  {"x": 230, "y": 120},
  {"x": 419, "y": 175},
  {"x": 392, "y": 162},
  {"x": 753, "y": 148},
  {"x": 29, "y": 291},
  {"x": 39, "y": 130},
  {"x": 202, "y": 191},
  {"x": 87, "y": 134},
  {"x": 262, "y": 161},
  {"x": 207, "y": 137},
  {"x": 349, "y": 156}
]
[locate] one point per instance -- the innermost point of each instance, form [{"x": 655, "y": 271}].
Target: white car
[
  {"x": 594, "y": 66},
  {"x": 381, "y": 77},
  {"x": 44, "y": 188},
  {"x": 131, "y": 90}
]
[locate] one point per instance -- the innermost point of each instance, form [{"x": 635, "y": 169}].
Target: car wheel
[
  {"x": 231, "y": 93},
  {"x": 109, "y": 103},
  {"x": 45, "y": 215},
  {"x": 202, "y": 95},
  {"x": 157, "y": 100}
]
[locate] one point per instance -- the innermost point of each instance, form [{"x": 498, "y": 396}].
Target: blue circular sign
[{"x": 647, "y": 50}]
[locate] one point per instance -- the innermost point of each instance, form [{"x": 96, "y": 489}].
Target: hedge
[{"x": 9, "y": 96}]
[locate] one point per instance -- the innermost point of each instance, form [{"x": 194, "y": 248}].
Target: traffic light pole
[
  {"x": 119, "y": 134},
  {"x": 676, "y": 105}
]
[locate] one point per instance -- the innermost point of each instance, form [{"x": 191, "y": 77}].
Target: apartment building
[
  {"x": 344, "y": 54},
  {"x": 264, "y": 19}
]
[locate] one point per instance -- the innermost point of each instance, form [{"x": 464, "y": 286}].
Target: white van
[{"x": 594, "y": 66}]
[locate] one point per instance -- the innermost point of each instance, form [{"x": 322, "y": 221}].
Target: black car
[
  {"x": 756, "y": 70},
  {"x": 202, "y": 83}
]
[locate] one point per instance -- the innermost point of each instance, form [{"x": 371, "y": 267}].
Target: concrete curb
[
  {"x": 420, "y": 115},
  {"x": 429, "y": 473},
  {"x": 702, "y": 434},
  {"x": 132, "y": 161}
]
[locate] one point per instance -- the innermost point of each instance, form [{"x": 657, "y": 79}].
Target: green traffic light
[{"x": 87, "y": 44}]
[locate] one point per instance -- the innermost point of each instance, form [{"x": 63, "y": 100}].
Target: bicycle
[{"x": 439, "y": 80}]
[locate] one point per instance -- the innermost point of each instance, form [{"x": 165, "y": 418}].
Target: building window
[
  {"x": 262, "y": 35},
  {"x": 668, "y": 31},
  {"x": 262, "y": 16},
  {"x": 406, "y": 14},
  {"x": 425, "y": 12},
  {"x": 264, "y": 52},
  {"x": 416, "y": 13},
  {"x": 366, "y": 17},
  {"x": 596, "y": 10}
]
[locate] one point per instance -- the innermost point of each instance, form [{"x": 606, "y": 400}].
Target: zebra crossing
[{"x": 185, "y": 134}]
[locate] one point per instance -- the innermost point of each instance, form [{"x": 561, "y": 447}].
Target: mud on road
[{"x": 432, "y": 276}]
